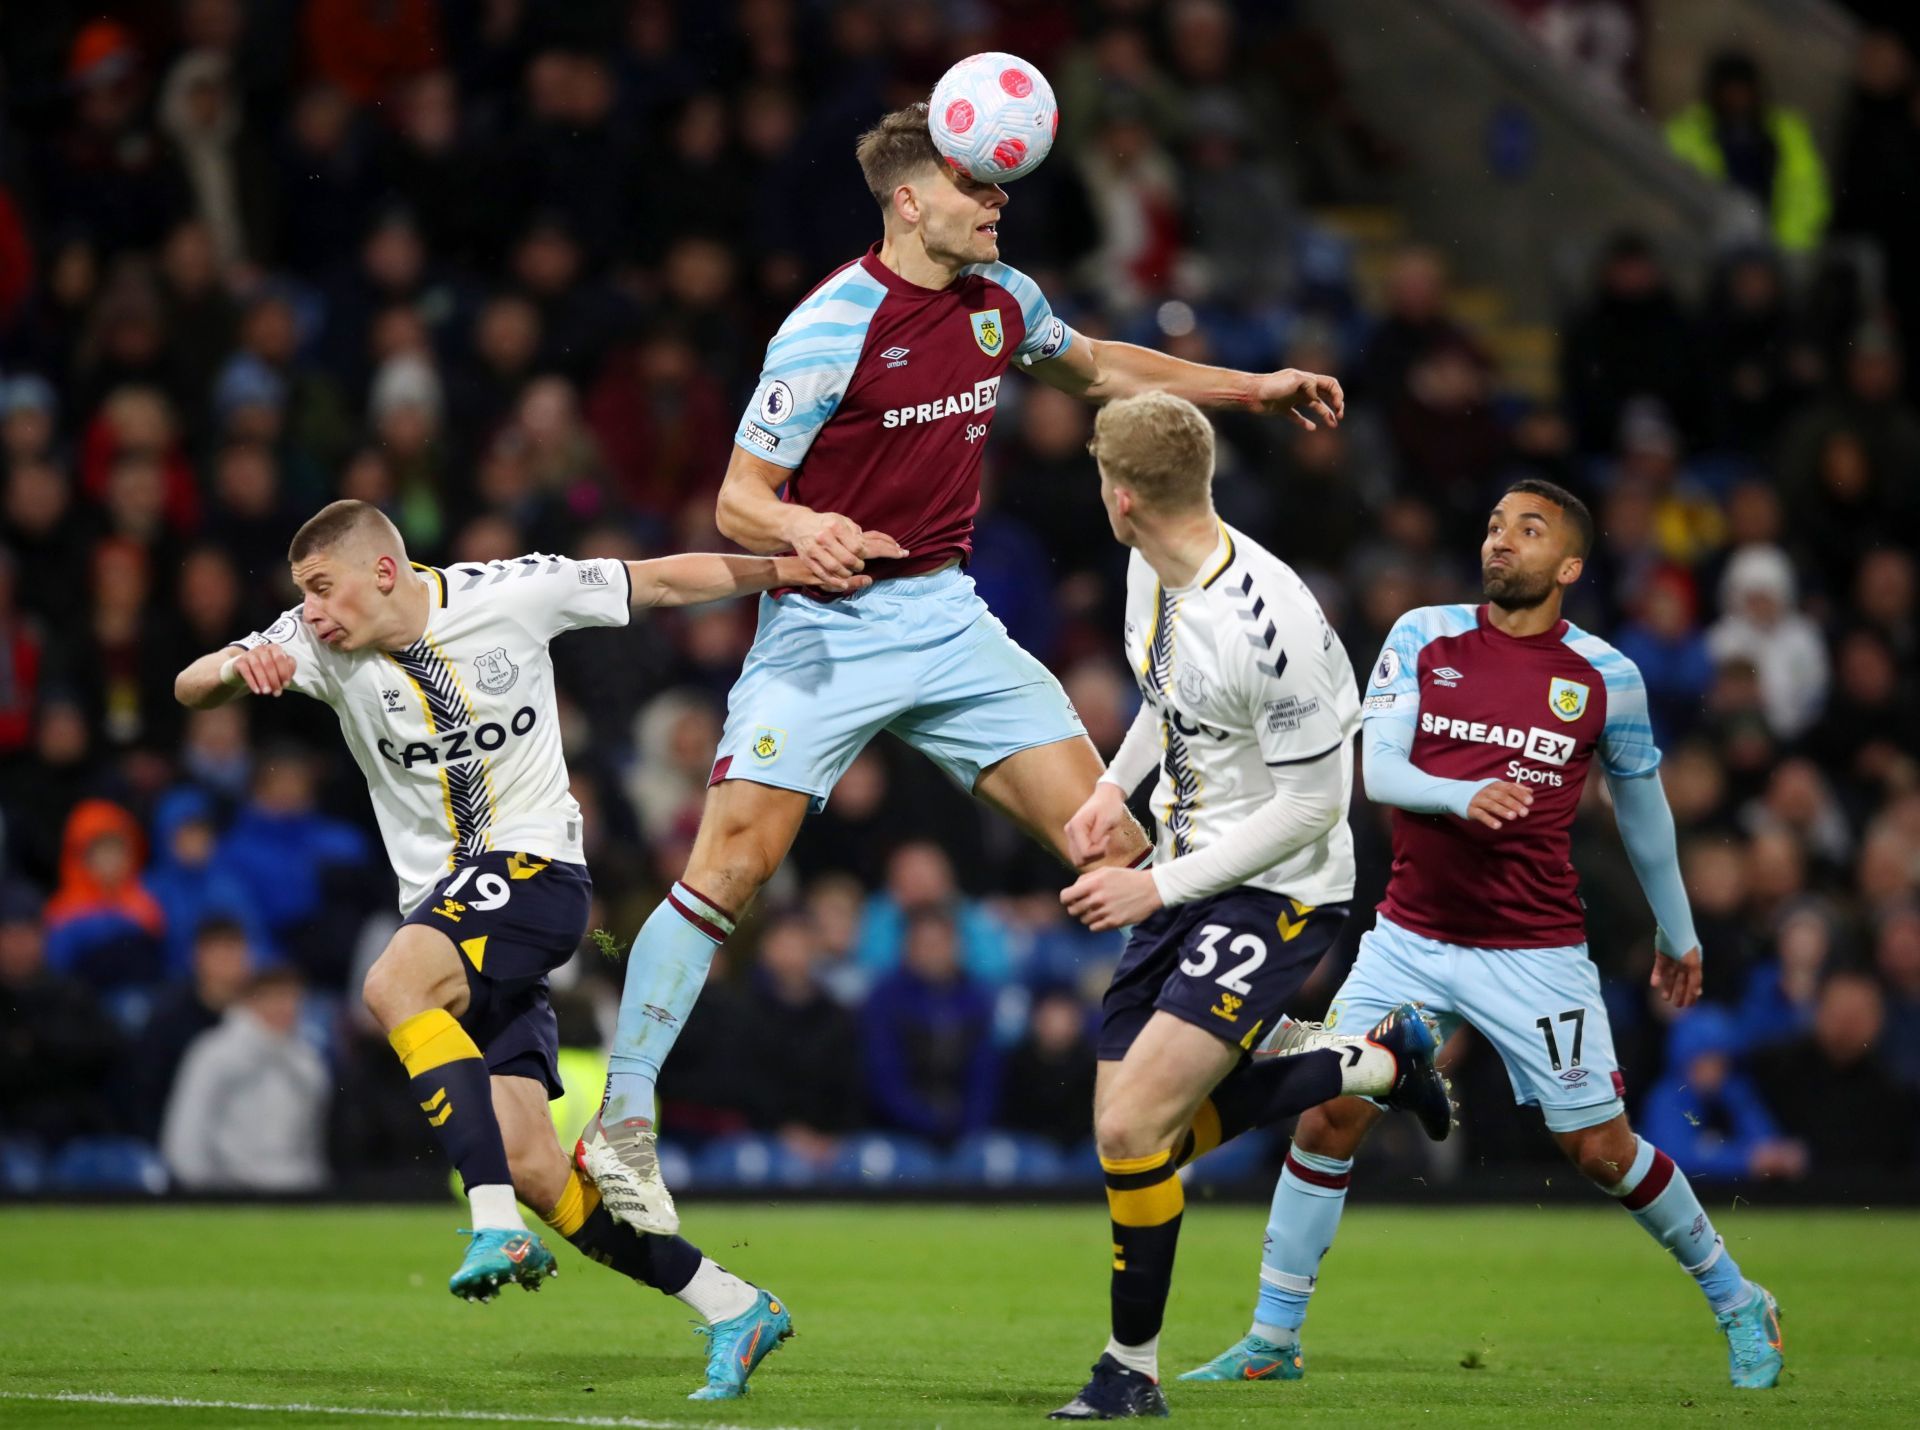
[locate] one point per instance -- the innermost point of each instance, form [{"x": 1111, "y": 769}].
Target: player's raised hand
[
  {"x": 1677, "y": 979},
  {"x": 265, "y": 670},
  {"x": 1302, "y": 396},
  {"x": 1112, "y": 898},
  {"x": 1500, "y": 803},
  {"x": 1090, "y": 832}
]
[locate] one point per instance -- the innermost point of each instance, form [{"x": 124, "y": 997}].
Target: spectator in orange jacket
[{"x": 103, "y": 926}]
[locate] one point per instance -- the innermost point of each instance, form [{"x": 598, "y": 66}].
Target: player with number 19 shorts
[
  {"x": 443, "y": 685},
  {"x": 860, "y": 452},
  {"x": 1482, "y": 725}
]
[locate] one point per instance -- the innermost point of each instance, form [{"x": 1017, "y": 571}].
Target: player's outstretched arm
[
  {"x": 697, "y": 576},
  {"x": 220, "y": 675},
  {"x": 833, "y": 547},
  {"x": 1102, "y": 370}
]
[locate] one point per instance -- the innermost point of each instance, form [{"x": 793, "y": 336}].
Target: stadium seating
[{"x": 107, "y": 1164}]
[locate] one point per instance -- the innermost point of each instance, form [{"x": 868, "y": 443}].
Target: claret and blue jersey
[
  {"x": 1484, "y": 705},
  {"x": 878, "y": 394}
]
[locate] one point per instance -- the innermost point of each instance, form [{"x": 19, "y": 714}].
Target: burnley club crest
[{"x": 987, "y": 331}]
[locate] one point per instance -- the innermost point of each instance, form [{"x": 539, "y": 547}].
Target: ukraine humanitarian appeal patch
[{"x": 1568, "y": 698}]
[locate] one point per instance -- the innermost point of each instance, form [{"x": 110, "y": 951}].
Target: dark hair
[
  {"x": 219, "y": 926},
  {"x": 894, "y": 150},
  {"x": 1575, "y": 510}
]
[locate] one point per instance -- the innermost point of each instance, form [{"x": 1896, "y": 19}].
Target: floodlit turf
[{"x": 953, "y": 1316}]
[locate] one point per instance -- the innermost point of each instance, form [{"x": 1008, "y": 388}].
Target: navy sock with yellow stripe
[
  {"x": 1145, "y": 1200},
  {"x": 666, "y": 1263},
  {"x": 452, "y": 1085}
]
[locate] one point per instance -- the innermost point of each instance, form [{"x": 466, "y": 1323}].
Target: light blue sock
[
  {"x": 1306, "y": 1213},
  {"x": 665, "y": 972},
  {"x": 1661, "y": 1199}
]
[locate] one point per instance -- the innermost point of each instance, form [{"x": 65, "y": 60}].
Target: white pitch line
[{"x": 503, "y": 1417}]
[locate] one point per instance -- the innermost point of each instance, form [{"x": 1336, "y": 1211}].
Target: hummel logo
[
  {"x": 392, "y": 698},
  {"x": 896, "y": 357},
  {"x": 1446, "y": 675}
]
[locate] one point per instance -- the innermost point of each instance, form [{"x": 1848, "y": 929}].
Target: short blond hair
[
  {"x": 895, "y": 150},
  {"x": 340, "y": 522},
  {"x": 1158, "y": 446}
]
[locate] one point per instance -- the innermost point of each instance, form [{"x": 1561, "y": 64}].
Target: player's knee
[
  {"x": 730, "y": 866},
  {"x": 397, "y": 988},
  {"x": 385, "y": 994},
  {"x": 1120, "y": 1132},
  {"x": 1603, "y": 1154}
]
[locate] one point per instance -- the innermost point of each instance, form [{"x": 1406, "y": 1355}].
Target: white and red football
[{"x": 993, "y": 117}]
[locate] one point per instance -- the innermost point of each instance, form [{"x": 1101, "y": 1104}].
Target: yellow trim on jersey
[
  {"x": 439, "y": 578},
  {"x": 486, "y": 765},
  {"x": 1153, "y": 630},
  {"x": 446, "y": 788},
  {"x": 426, "y": 639},
  {"x": 1226, "y": 561}
]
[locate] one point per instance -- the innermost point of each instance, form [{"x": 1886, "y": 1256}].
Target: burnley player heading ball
[{"x": 992, "y": 117}]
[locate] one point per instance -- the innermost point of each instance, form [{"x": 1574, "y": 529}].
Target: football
[{"x": 993, "y": 117}]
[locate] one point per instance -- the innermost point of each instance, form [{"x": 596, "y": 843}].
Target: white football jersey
[
  {"x": 458, "y": 734},
  {"x": 1245, "y": 673}
]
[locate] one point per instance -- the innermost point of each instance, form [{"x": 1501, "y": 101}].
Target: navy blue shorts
[
  {"x": 1229, "y": 964},
  {"x": 514, "y": 918}
]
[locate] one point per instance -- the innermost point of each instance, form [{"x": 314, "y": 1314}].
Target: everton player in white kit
[
  {"x": 871, "y": 414},
  {"x": 444, "y": 689},
  {"x": 1482, "y": 725},
  {"x": 1248, "y": 711}
]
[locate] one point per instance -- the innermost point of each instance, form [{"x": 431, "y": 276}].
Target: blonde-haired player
[{"x": 1249, "y": 709}]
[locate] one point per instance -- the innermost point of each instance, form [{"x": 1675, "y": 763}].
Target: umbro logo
[
  {"x": 1446, "y": 675},
  {"x": 896, "y": 357},
  {"x": 392, "y": 700}
]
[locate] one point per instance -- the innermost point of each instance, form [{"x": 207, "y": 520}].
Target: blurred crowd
[{"x": 507, "y": 270}]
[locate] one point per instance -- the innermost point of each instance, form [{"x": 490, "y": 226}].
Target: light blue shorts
[
  {"x": 1539, "y": 1007},
  {"x": 921, "y": 656}
]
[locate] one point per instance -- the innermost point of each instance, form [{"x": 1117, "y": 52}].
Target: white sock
[
  {"x": 1144, "y": 1358},
  {"x": 495, "y": 1208},
  {"x": 1277, "y": 1335},
  {"x": 1369, "y": 1075},
  {"x": 716, "y": 1293}
]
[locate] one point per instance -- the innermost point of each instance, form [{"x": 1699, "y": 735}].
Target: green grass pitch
[{"x": 950, "y": 1316}]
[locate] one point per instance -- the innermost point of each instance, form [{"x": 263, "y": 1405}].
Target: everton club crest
[{"x": 495, "y": 673}]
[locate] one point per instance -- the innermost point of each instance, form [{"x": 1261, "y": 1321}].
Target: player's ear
[
  {"x": 906, "y": 203},
  {"x": 1571, "y": 568},
  {"x": 386, "y": 574}
]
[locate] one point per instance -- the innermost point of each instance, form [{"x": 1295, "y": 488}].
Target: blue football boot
[
  {"x": 1418, "y": 1086},
  {"x": 1756, "y": 1350},
  {"x": 1252, "y": 1358},
  {"x": 735, "y": 1346},
  {"x": 497, "y": 1258},
  {"x": 1114, "y": 1393}
]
